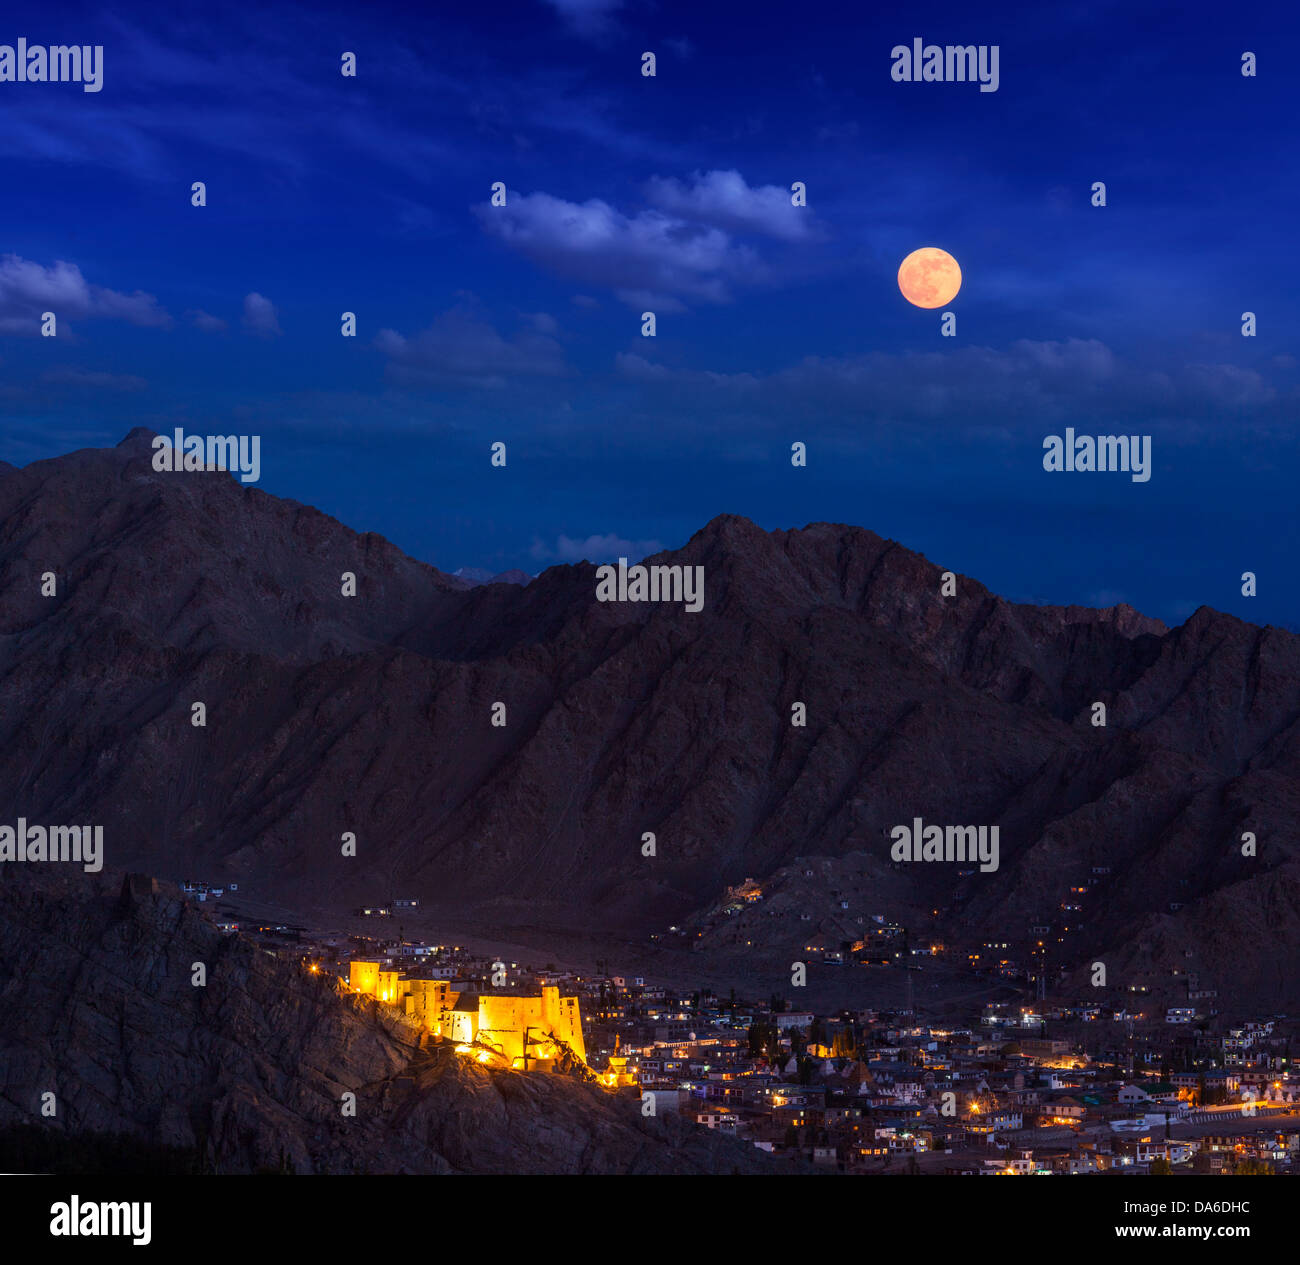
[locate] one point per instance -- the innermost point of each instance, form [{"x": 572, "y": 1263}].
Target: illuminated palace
[{"x": 522, "y": 1032}]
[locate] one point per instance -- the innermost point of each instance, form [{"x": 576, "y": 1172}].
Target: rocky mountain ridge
[{"x": 374, "y": 715}]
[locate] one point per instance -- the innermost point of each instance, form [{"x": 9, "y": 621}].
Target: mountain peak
[{"x": 138, "y": 436}]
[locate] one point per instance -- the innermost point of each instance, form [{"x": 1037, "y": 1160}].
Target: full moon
[{"x": 929, "y": 277}]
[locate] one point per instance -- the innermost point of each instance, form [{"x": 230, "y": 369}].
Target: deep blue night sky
[{"x": 522, "y": 323}]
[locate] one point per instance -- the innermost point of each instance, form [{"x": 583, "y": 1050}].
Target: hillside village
[{"x": 1088, "y": 1086}]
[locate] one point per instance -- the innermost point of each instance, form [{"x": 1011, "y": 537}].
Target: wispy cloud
[
  {"x": 462, "y": 348},
  {"x": 592, "y": 19},
  {"x": 1039, "y": 383},
  {"x": 93, "y": 380}
]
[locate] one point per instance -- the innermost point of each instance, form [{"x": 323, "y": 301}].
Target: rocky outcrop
[{"x": 248, "y": 1072}]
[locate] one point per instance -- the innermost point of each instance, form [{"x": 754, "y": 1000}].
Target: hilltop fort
[{"x": 542, "y": 1033}]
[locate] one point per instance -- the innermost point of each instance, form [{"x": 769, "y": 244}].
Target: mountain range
[{"x": 373, "y": 715}]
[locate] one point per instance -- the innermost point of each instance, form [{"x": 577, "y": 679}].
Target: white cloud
[
  {"x": 206, "y": 321},
  {"x": 29, "y": 289},
  {"x": 646, "y": 259},
  {"x": 260, "y": 316},
  {"x": 722, "y": 198},
  {"x": 607, "y": 548}
]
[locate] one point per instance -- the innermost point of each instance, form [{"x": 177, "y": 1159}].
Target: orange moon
[{"x": 929, "y": 277}]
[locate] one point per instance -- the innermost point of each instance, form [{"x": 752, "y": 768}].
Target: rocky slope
[
  {"x": 247, "y": 1073},
  {"x": 373, "y": 714}
]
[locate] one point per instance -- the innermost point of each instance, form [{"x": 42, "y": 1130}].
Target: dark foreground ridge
[{"x": 247, "y": 1074}]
